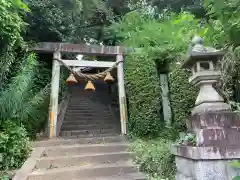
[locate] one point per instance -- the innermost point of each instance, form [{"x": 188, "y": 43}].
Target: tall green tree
[
  {"x": 11, "y": 22},
  {"x": 225, "y": 19},
  {"x": 194, "y": 6},
  {"x": 69, "y": 21}
]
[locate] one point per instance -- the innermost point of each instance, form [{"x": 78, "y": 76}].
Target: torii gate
[{"x": 58, "y": 48}]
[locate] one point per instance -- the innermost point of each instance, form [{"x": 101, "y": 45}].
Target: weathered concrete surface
[
  {"x": 204, "y": 170},
  {"x": 218, "y": 143},
  {"x": 216, "y": 128},
  {"x": 213, "y": 120}
]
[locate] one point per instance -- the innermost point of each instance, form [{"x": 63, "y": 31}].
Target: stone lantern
[
  {"x": 215, "y": 129},
  {"x": 204, "y": 64}
]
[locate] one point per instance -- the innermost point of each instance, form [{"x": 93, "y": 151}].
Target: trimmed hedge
[
  {"x": 143, "y": 93},
  {"x": 182, "y": 96}
]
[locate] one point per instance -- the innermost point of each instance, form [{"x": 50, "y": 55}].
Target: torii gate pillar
[
  {"x": 53, "y": 108},
  {"x": 122, "y": 94}
]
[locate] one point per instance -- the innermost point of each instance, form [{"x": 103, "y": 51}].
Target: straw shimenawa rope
[{"x": 88, "y": 76}]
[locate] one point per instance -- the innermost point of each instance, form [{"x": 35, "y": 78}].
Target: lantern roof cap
[{"x": 198, "y": 52}]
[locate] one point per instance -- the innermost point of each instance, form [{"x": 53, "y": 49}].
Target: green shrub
[
  {"x": 182, "y": 96},
  {"x": 143, "y": 93},
  {"x": 14, "y": 145},
  {"x": 154, "y": 158}
]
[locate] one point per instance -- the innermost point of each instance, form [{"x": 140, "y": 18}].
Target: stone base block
[
  {"x": 205, "y": 163},
  {"x": 216, "y": 128},
  {"x": 188, "y": 169}
]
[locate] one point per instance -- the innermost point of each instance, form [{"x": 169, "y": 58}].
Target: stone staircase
[
  {"x": 90, "y": 113},
  {"x": 90, "y": 146},
  {"x": 95, "y": 158}
]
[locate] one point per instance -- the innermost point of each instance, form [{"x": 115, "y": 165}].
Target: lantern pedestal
[
  {"x": 208, "y": 99},
  {"x": 217, "y": 145}
]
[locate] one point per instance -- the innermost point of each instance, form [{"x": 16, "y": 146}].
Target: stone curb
[{"x": 29, "y": 165}]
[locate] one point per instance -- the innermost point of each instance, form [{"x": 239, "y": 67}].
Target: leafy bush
[
  {"x": 182, "y": 96},
  {"x": 153, "y": 157},
  {"x": 143, "y": 92},
  {"x": 69, "y": 21},
  {"x": 11, "y": 22},
  {"x": 14, "y": 145},
  {"x": 225, "y": 19},
  {"x": 24, "y": 101},
  {"x": 224, "y": 32}
]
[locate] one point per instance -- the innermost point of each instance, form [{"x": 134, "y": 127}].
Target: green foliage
[
  {"x": 182, "y": 96},
  {"x": 226, "y": 14},
  {"x": 235, "y": 164},
  {"x": 11, "y": 22},
  {"x": 194, "y": 6},
  {"x": 21, "y": 103},
  {"x": 162, "y": 41},
  {"x": 14, "y": 145},
  {"x": 17, "y": 91},
  {"x": 24, "y": 100},
  {"x": 4, "y": 177},
  {"x": 224, "y": 29},
  {"x": 154, "y": 158},
  {"x": 71, "y": 21},
  {"x": 165, "y": 38},
  {"x": 230, "y": 76},
  {"x": 143, "y": 92},
  {"x": 188, "y": 139}
]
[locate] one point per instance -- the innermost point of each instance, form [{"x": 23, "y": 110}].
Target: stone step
[
  {"x": 87, "y": 107},
  {"x": 81, "y": 121},
  {"x": 85, "y": 149},
  {"x": 130, "y": 176},
  {"x": 94, "y": 106},
  {"x": 86, "y": 101},
  {"x": 80, "y": 172},
  {"x": 94, "y": 103},
  {"x": 90, "y": 136},
  {"x": 84, "y": 116},
  {"x": 93, "y": 140},
  {"x": 90, "y": 119},
  {"x": 87, "y": 132},
  {"x": 88, "y": 116},
  {"x": 82, "y": 160},
  {"x": 93, "y": 113},
  {"x": 72, "y": 126},
  {"x": 89, "y": 111}
]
